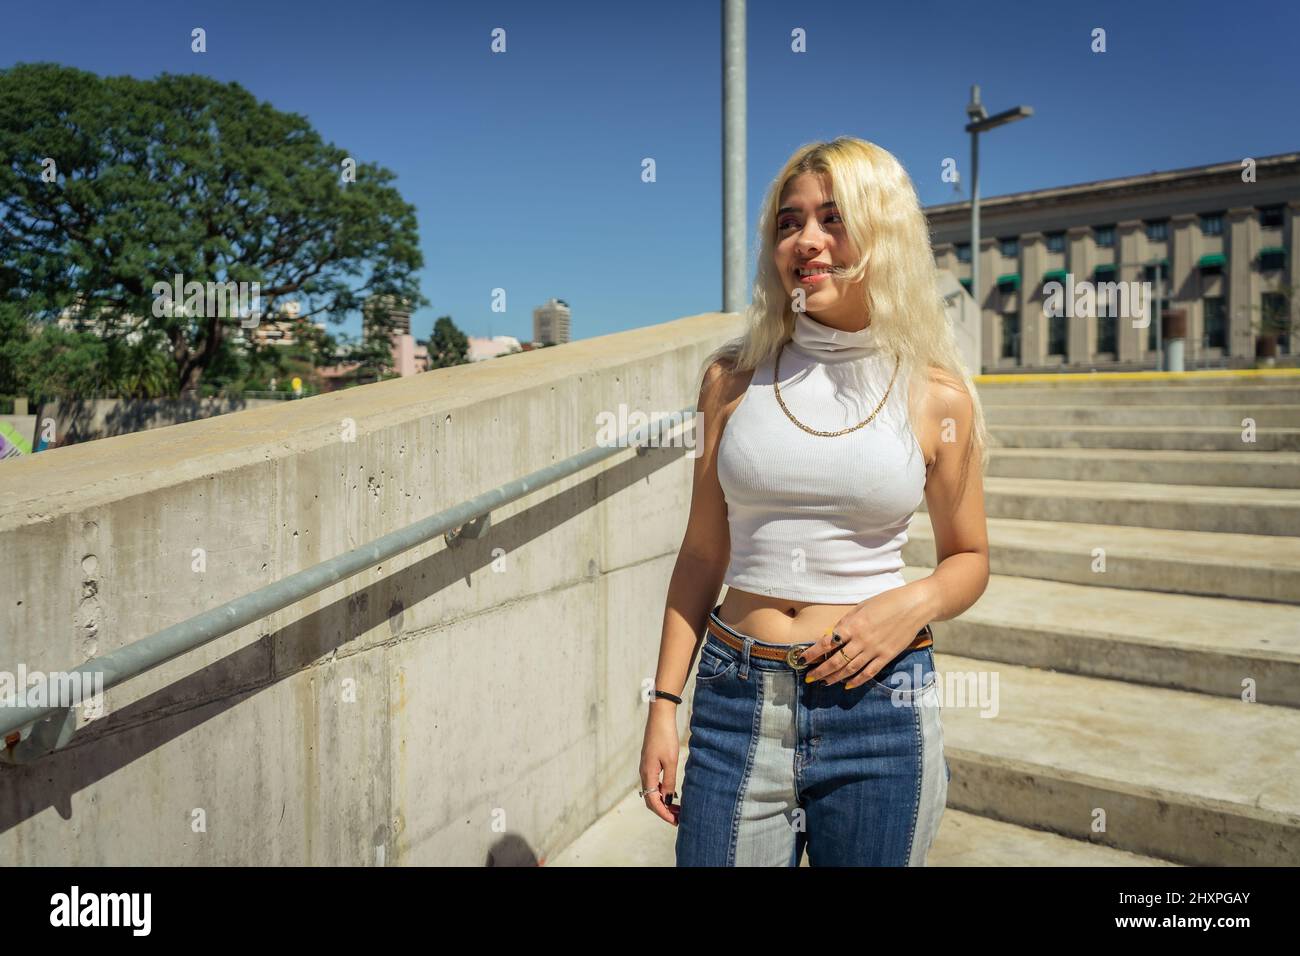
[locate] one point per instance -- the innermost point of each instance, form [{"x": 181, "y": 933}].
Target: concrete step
[
  {"x": 1182, "y": 438},
  {"x": 965, "y": 839},
  {"x": 1153, "y": 382},
  {"x": 1242, "y": 566},
  {"x": 630, "y": 835},
  {"x": 1214, "y": 646},
  {"x": 993, "y": 396},
  {"x": 1258, "y": 511},
  {"x": 1181, "y": 776},
  {"x": 1172, "y": 416},
  {"x": 1259, "y": 469}
]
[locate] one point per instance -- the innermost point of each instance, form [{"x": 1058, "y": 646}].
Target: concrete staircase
[
  {"x": 1145, "y": 566},
  {"x": 1145, "y": 570}
]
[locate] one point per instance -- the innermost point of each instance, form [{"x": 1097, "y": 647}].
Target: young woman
[{"x": 815, "y": 723}]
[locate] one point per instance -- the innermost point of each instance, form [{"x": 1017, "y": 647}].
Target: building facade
[
  {"x": 551, "y": 322},
  {"x": 381, "y": 313},
  {"x": 1217, "y": 244}
]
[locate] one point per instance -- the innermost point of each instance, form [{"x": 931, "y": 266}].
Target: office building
[{"x": 1218, "y": 247}]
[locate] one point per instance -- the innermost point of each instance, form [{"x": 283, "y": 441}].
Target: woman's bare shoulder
[
  {"x": 944, "y": 391},
  {"x": 945, "y": 402}
]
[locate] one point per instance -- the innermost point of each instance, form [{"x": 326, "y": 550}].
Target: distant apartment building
[
  {"x": 551, "y": 323},
  {"x": 1217, "y": 250},
  {"x": 409, "y": 356},
  {"x": 282, "y": 330},
  {"x": 73, "y": 318}
]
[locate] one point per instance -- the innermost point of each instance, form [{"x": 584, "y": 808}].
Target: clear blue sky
[{"x": 525, "y": 167}]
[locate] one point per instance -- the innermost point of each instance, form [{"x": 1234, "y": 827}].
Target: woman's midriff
[{"x": 779, "y": 620}]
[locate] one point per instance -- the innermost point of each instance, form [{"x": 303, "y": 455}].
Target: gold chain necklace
[{"x": 776, "y": 387}]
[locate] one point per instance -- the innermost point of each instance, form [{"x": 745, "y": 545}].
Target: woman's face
[{"x": 810, "y": 233}]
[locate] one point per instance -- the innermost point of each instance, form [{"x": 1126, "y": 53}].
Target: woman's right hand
[{"x": 659, "y": 753}]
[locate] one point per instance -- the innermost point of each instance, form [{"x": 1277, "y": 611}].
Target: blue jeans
[{"x": 776, "y": 766}]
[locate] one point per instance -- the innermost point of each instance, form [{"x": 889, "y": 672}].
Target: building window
[
  {"x": 1212, "y": 264},
  {"x": 1107, "y": 305},
  {"x": 1270, "y": 216},
  {"x": 1010, "y": 336},
  {"x": 1106, "y": 333},
  {"x": 1158, "y": 230},
  {"x": 1212, "y": 224},
  {"x": 963, "y": 252},
  {"x": 1273, "y": 307},
  {"x": 1010, "y": 247},
  {"x": 1105, "y": 236},
  {"x": 1149, "y": 274},
  {"x": 1056, "y": 330},
  {"x": 1272, "y": 258},
  {"x": 1055, "y": 242},
  {"x": 1215, "y": 335}
]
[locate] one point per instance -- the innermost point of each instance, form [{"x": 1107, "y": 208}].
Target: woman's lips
[{"x": 814, "y": 279}]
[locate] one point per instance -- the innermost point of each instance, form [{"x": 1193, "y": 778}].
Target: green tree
[
  {"x": 110, "y": 185},
  {"x": 448, "y": 345}
]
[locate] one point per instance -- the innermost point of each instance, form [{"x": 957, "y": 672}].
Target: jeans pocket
[
  {"x": 906, "y": 676},
  {"x": 714, "y": 665}
]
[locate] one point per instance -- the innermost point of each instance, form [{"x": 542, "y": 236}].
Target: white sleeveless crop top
[{"x": 817, "y": 518}]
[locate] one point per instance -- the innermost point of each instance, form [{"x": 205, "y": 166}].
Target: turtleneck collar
[{"x": 829, "y": 344}]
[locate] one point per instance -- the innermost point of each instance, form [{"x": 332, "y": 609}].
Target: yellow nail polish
[{"x": 808, "y": 679}]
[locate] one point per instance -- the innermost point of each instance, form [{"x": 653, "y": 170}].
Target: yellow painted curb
[{"x": 1211, "y": 374}]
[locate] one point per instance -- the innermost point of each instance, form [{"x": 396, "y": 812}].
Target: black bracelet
[{"x": 667, "y": 696}]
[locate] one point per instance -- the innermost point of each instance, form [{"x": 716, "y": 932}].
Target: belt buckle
[{"x": 791, "y": 655}]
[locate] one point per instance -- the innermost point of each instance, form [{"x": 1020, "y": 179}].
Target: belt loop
[{"x": 744, "y": 658}]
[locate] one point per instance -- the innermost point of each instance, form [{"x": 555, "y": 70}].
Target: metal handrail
[{"x": 55, "y": 724}]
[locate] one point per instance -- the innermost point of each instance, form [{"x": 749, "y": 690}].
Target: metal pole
[
  {"x": 1160, "y": 344},
  {"x": 975, "y": 211},
  {"x": 733, "y": 156},
  {"x": 466, "y": 520}
]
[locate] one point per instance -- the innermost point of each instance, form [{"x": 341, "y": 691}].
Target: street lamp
[
  {"x": 1156, "y": 318},
  {"x": 979, "y": 122}
]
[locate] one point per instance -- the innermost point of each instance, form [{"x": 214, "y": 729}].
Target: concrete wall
[
  {"x": 964, "y": 318},
  {"x": 473, "y": 705},
  {"x": 77, "y": 420}
]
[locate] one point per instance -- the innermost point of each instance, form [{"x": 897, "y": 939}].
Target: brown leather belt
[{"x": 924, "y": 638}]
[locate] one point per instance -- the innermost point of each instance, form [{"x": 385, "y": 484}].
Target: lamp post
[
  {"x": 734, "y": 68},
  {"x": 980, "y": 121},
  {"x": 1160, "y": 288}
]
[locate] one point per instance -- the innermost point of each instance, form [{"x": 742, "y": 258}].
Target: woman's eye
[{"x": 787, "y": 223}]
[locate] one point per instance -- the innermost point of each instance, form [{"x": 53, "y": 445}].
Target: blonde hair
[{"x": 883, "y": 217}]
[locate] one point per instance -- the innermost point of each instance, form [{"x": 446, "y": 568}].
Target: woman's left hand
[{"x": 871, "y": 635}]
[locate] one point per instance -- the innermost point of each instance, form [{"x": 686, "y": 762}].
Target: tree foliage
[
  {"x": 448, "y": 345},
  {"x": 109, "y": 185}
]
